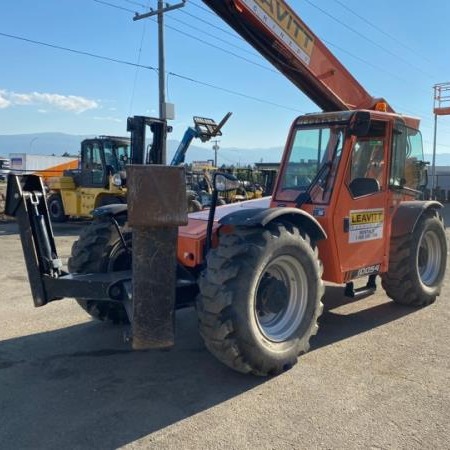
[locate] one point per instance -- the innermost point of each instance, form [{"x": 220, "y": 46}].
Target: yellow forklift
[{"x": 100, "y": 179}]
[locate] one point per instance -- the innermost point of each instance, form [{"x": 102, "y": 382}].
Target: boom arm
[
  {"x": 204, "y": 129},
  {"x": 276, "y": 32}
]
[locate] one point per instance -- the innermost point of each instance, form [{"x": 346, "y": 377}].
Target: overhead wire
[
  {"x": 131, "y": 2},
  {"x": 133, "y": 90},
  {"x": 212, "y": 35},
  {"x": 116, "y": 60},
  {"x": 240, "y": 94},
  {"x": 216, "y": 27},
  {"x": 112, "y": 5},
  {"x": 205, "y": 42},
  {"x": 79, "y": 52},
  {"x": 263, "y": 66},
  {"x": 327, "y": 42},
  {"x": 222, "y": 49},
  {"x": 348, "y": 27},
  {"x": 381, "y": 30},
  {"x": 137, "y": 65}
]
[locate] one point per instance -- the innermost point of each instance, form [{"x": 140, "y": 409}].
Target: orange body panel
[
  {"x": 57, "y": 171},
  {"x": 191, "y": 237},
  {"x": 347, "y": 250}
]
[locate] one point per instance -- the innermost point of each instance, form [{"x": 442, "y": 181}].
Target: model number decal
[
  {"x": 366, "y": 225},
  {"x": 368, "y": 270}
]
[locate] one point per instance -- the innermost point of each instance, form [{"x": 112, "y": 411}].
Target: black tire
[
  {"x": 417, "y": 264},
  {"x": 56, "y": 209},
  {"x": 99, "y": 249},
  {"x": 248, "y": 317},
  {"x": 194, "y": 206}
]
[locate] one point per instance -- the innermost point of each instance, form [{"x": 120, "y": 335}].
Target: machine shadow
[
  {"x": 96, "y": 392},
  {"x": 93, "y": 391},
  {"x": 335, "y": 326},
  {"x": 71, "y": 228}
]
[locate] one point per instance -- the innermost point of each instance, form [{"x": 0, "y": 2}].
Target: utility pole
[
  {"x": 215, "y": 148},
  {"x": 163, "y": 110}
]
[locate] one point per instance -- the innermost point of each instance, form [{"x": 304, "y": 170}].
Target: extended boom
[{"x": 275, "y": 31}]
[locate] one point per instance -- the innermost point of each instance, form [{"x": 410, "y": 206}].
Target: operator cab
[
  {"x": 102, "y": 158},
  {"x": 317, "y": 144}
]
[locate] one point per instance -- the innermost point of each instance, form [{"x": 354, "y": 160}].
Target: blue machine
[{"x": 204, "y": 129}]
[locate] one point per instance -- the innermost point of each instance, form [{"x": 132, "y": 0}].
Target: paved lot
[{"x": 378, "y": 376}]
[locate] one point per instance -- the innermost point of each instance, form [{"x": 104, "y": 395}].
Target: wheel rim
[
  {"x": 281, "y": 298},
  {"x": 429, "y": 258},
  {"x": 120, "y": 258},
  {"x": 55, "y": 208}
]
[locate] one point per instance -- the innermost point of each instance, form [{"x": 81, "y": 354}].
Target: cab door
[
  {"x": 92, "y": 165},
  {"x": 359, "y": 220}
]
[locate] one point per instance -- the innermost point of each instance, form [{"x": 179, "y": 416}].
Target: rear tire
[
  {"x": 56, "y": 209},
  {"x": 99, "y": 250},
  {"x": 417, "y": 263},
  {"x": 260, "y": 298},
  {"x": 194, "y": 206}
]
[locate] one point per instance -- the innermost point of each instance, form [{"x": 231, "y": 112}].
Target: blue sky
[{"x": 395, "y": 49}]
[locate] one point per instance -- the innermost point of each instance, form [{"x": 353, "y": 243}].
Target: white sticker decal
[{"x": 366, "y": 225}]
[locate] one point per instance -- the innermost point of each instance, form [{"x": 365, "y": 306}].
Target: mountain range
[{"x": 60, "y": 143}]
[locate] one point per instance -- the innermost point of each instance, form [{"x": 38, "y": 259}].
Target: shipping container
[{"x": 47, "y": 166}]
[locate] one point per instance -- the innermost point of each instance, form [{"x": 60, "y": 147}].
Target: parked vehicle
[{"x": 345, "y": 206}]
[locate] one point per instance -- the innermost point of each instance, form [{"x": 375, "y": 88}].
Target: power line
[
  {"x": 209, "y": 44},
  {"x": 263, "y": 66},
  {"x": 210, "y": 34},
  {"x": 115, "y": 60},
  {"x": 112, "y": 5},
  {"x": 131, "y": 2},
  {"x": 223, "y": 30},
  {"x": 202, "y": 8},
  {"x": 240, "y": 94},
  {"x": 137, "y": 68},
  {"x": 368, "y": 39},
  {"x": 79, "y": 52},
  {"x": 380, "y": 30}
]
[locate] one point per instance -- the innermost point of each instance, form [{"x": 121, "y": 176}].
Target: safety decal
[{"x": 366, "y": 225}]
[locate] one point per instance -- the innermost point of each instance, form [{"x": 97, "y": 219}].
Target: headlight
[
  {"x": 117, "y": 180},
  {"x": 225, "y": 182}
]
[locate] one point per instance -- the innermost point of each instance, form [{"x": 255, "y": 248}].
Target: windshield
[
  {"x": 123, "y": 155},
  {"x": 116, "y": 155},
  {"x": 313, "y": 160}
]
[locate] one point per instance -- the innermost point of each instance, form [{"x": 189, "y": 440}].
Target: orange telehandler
[{"x": 346, "y": 205}]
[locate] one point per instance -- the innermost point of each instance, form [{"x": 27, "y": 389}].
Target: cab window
[
  {"x": 408, "y": 161},
  {"x": 366, "y": 172}
]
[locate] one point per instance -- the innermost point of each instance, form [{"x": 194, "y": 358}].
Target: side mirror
[
  {"x": 423, "y": 174},
  {"x": 360, "y": 123},
  {"x": 363, "y": 186}
]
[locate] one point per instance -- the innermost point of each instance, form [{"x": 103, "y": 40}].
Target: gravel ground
[{"x": 377, "y": 376}]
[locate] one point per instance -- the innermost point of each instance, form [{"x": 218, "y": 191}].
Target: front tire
[
  {"x": 56, "y": 209},
  {"x": 99, "y": 250},
  {"x": 260, "y": 298},
  {"x": 417, "y": 264}
]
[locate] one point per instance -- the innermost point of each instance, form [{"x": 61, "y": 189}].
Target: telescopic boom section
[{"x": 276, "y": 32}]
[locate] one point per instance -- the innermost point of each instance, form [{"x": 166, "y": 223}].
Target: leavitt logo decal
[
  {"x": 366, "y": 225},
  {"x": 285, "y": 24}
]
